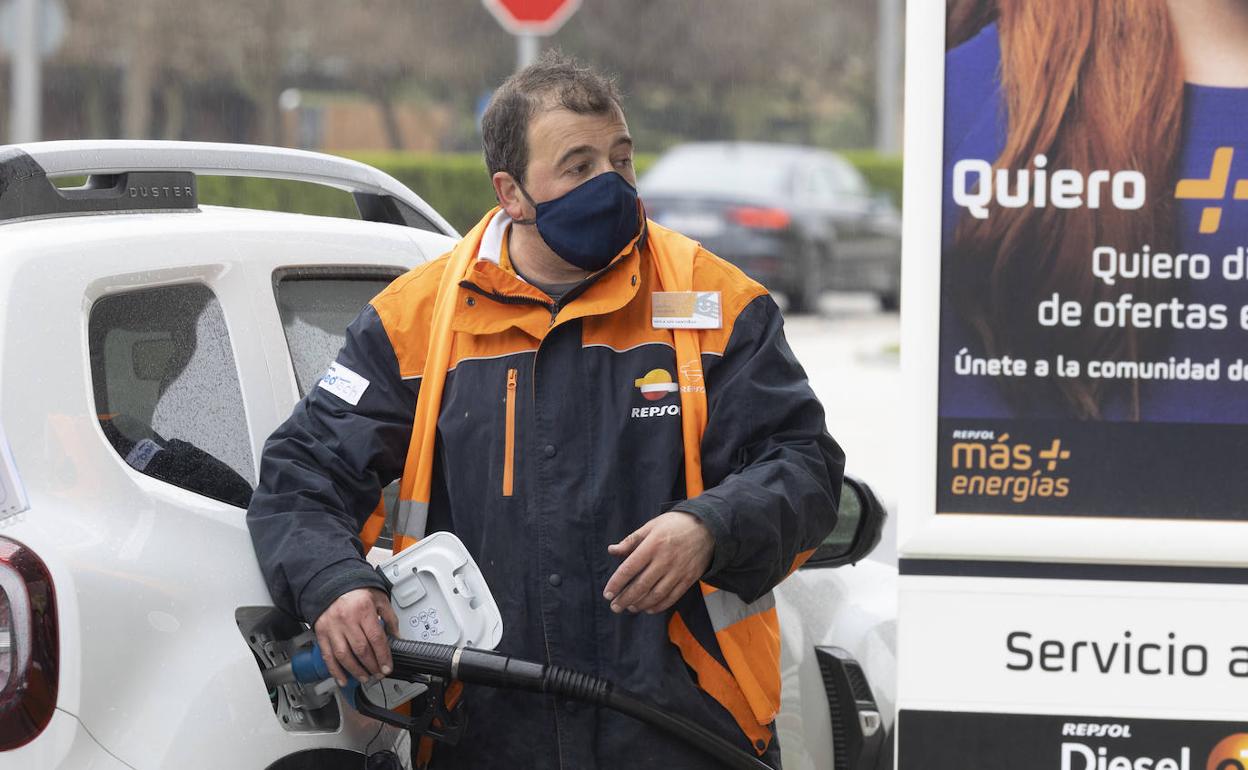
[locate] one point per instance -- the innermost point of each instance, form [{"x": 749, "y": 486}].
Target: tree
[
  {"x": 442, "y": 50},
  {"x": 163, "y": 46},
  {"x": 728, "y": 69},
  {"x": 732, "y": 69}
]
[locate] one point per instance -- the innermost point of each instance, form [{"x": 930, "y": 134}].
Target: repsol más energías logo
[{"x": 988, "y": 465}]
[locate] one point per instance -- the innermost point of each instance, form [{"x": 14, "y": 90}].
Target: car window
[
  {"x": 821, "y": 185},
  {"x": 167, "y": 392},
  {"x": 317, "y": 305},
  {"x": 715, "y": 170},
  {"x": 415, "y": 219},
  {"x": 847, "y": 179}
]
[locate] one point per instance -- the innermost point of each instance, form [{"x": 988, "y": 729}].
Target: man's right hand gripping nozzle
[{"x": 352, "y": 641}]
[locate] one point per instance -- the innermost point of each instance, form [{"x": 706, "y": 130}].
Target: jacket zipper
[
  {"x": 506, "y": 299},
  {"x": 509, "y": 440},
  {"x": 552, "y": 307}
]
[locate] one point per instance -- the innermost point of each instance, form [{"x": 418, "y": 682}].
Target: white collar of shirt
[{"x": 491, "y": 247}]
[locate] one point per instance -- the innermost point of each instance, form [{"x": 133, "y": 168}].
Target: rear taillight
[
  {"x": 29, "y": 656},
  {"x": 760, "y": 218}
]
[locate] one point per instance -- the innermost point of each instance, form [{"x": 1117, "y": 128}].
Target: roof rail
[{"x": 129, "y": 175}]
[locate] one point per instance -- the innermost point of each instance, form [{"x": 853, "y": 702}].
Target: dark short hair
[{"x": 553, "y": 81}]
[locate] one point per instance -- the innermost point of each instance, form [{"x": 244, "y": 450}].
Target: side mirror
[{"x": 859, "y": 527}]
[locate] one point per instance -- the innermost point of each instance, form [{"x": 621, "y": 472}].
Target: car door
[
  {"x": 310, "y": 285},
  {"x": 148, "y": 397}
]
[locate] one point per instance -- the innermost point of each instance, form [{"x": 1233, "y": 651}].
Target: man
[{"x": 560, "y": 456}]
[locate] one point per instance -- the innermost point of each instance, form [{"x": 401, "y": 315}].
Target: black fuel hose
[{"x": 493, "y": 669}]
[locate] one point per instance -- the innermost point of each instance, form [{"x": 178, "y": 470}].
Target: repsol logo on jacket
[
  {"x": 656, "y": 411},
  {"x": 656, "y": 385}
]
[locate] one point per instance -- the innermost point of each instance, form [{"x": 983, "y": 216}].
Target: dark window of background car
[
  {"x": 821, "y": 184},
  {"x": 317, "y": 305},
  {"x": 847, "y": 179},
  {"x": 166, "y": 389}
]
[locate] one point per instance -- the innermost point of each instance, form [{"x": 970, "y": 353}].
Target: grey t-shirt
[{"x": 554, "y": 290}]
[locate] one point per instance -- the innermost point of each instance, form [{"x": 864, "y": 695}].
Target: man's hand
[
  {"x": 666, "y": 556},
  {"x": 352, "y": 639}
]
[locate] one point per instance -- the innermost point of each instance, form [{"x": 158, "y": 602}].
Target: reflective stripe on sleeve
[{"x": 726, "y": 608}]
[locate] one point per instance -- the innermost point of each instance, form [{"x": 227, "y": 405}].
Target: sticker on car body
[{"x": 12, "y": 496}]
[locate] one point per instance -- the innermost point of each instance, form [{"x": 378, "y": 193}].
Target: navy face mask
[{"x": 589, "y": 225}]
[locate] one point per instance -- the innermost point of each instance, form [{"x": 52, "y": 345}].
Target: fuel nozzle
[
  {"x": 279, "y": 675},
  {"x": 305, "y": 667}
]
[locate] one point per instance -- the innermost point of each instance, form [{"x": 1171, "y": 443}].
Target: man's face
[{"x": 567, "y": 149}]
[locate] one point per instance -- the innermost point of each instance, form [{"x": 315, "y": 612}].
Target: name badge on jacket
[{"x": 685, "y": 310}]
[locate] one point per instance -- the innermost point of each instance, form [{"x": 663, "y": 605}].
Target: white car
[{"x": 148, "y": 347}]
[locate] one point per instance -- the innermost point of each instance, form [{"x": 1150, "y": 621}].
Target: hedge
[
  {"x": 883, "y": 172},
  {"x": 453, "y": 183}
]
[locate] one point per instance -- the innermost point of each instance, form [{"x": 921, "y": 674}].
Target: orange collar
[{"x": 492, "y": 298}]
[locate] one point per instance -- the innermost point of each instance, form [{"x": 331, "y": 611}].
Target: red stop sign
[{"x": 532, "y": 17}]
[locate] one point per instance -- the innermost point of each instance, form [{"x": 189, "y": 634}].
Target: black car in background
[{"x": 797, "y": 219}]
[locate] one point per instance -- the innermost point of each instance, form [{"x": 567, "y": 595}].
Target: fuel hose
[{"x": 493, "y": 669}]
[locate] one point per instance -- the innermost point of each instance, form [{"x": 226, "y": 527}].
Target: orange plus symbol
[
  {"x": 1213, "y": 188},
  {"x": 1054, "y": 454}
]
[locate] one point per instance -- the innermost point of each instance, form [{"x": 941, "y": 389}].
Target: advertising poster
[
  {"x": 1074, "y": 742},
  {"x": 1094, "y": 264},
  {"x": 1073, "y": 577},
  {"x": 1086, "y": 669}
]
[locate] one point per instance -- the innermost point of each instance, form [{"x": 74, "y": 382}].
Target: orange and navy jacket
[{"x": 560, "y": 433}]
